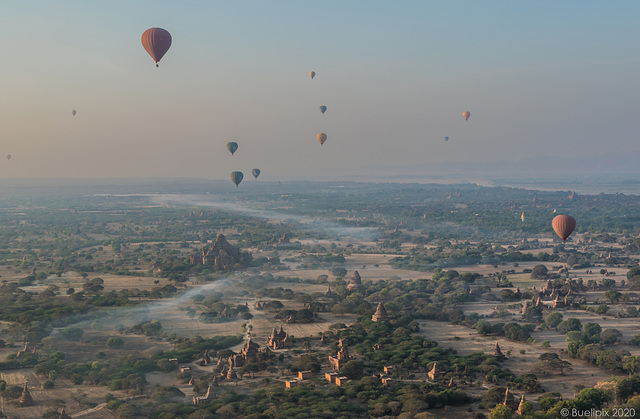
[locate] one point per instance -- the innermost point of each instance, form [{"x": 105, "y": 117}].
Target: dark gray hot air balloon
[
  {"x": 236, "y": 178},
  {"x": 232, "y": 147}
]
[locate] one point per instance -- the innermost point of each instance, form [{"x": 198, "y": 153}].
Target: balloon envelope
[
  {"x": 74, "y": 112},
  {"x": 232, "y": 147},
  {"x": 8, "y": 156},
  {"x": 323, "y": 109},
  {"x": 446, "y": 138},
  {"x": 156, "y": 41},
  {"x": 255, "y": 173},
  {"x": 312, "y": 74},
  {"x": 564, "y": 225},
  {"x": 322, "y": 137},
  {"x": 466, "y": 115},
  {"x": 236, "y": 178}
]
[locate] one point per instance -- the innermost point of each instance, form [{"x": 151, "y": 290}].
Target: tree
[
  {"x": 590, "y": 398},
  {"x": 352, "y": 369},
  {"x": 115, "y": 343},
  {"x": 483, "y": 327},
  {"x": 165, "y": 365},
  {"x": 631, "y": 364},
  {"x": 610, "y": 336},
  {"x": 339, "y": 309},
  {"x": 500, "y": 412},
  {"x": 539, "y": 272},
  {"x": 72, "y": 333},
  {"x": 553, "y": 319},
  {"x": 549, "y": 362},
  {"x": 306, "y": 363},
  {"x": 571, "y": 324},
  {"x": 592, "y": 331},
  {"x": 125, "y": 411},
  {"x": 94, "y": 286},
  {"x": 612, "y": 296},
  {"x": 492, "y": 397},
  {"x": 635, "y": 271},
  {"x": 533, "y": 314}
]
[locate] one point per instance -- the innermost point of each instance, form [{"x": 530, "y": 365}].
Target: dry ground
[
  {"x": 63, "y": 390},
  {"x": 465, "y": 341},
  {"x": 174, "y": 319}
]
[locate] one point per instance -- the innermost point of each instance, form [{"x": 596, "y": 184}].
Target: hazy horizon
[{"x": 540, "y": 79}]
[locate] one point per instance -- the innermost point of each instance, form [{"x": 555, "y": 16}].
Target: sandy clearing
[{"x": 469, "y": 341}]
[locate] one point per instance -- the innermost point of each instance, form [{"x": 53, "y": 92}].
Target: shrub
[{"x": 115, "y": 343}]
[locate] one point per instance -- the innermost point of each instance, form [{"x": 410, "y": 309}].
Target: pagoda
[
  {"x": 26, "y": 399},
  {"x": 381, "y": 314},
  {"x": 355, "y": 282},
  {"x": 497, "y": 353}
]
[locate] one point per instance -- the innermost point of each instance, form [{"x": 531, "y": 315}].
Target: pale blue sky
[{"x": 539, "y": 77}]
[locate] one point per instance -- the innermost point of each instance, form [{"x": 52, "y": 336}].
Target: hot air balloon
[
  {"x": 446, "y": 138},
  {"x": 466, "y": 115},
  {"x": 236, "y": 178},
  {"x": 255, "y": 173},
  {"x": 74, "y": 112},
  {"x": 323, "y": 109},
  {"x": 8, "y": 156},
  {"x": 312, "y": 74},
  {"x": 322, "y": 137},
  {"x": 564, "y": 225},
  {"x": 522, "y": 216},
  {"x": 156, "y": 41},
  {"x": 232, "y": 147}
]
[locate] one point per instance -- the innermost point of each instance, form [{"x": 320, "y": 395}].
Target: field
[{"x": 107, "y": 273}]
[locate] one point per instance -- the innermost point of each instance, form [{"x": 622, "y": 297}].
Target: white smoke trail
[
  {"x": 130, "y": 316},
  {"x": 312, "y": 223}
]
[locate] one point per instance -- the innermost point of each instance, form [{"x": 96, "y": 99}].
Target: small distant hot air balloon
[
  {"x": 522, "y": 216},
  {"x": 74, "y": 112},
  {"x": 312, "y": 74},
  {"x": 255, "y": 173},
  {"x": 232, "y": 147},
  {"x": 156, "y": 41},
  {"x": 322, "y": 137},
  {"x": 8, "y": 156},
  {"x": 564, "y": 225},
  {"x": 466, "y": 115},
  {"x": 236, "y": 178},
  {"x": 446, "y": 138},
  {"x": 323, "y": 109}
]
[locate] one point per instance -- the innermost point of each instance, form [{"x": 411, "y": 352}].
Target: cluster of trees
[{"x": 512, "y": 331}]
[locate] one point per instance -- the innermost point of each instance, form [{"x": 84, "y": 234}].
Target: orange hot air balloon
[
  {"x": 156, "y": 41},
  {"x": 466, "y": 115},
  {"x": 564, "y": 225},
  {"x": 322, "y": 137},
  {"x": 312, "y": 74}
]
